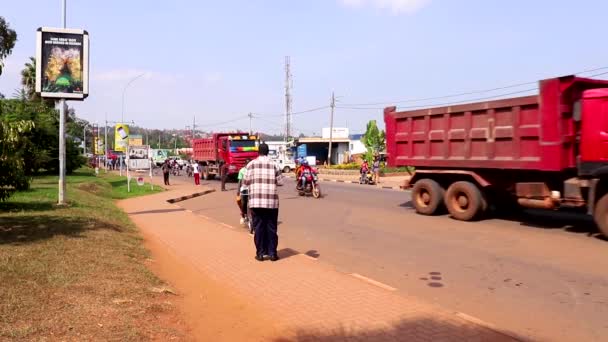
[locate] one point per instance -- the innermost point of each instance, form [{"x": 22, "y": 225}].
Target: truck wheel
[
  {"x": 465, "y": 201},
  {"x": 286, "y": 169},
  {"x": 206, "y": 175},
  {"x": 600, "y": 214},
  {"x": 427, "y": 196}
]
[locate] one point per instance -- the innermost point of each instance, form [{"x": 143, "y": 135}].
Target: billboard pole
[{"x": 61, "y": 195}]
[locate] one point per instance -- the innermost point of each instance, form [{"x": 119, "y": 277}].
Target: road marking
[
  {"x": 373, "y": 282},
  {"x": 188, "y": 211},
  {"x": 226, "y": 225}
]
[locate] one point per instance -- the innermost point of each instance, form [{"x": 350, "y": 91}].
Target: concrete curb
[
  {"x": 187, "y": 197},
  {"x": 353, "y": 182}
]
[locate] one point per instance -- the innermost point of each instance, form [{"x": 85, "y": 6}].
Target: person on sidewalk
[
  {"x": 223, "y": 174},
  {"x": 262, "y": 177},
  {"x": 376, "y": 169},
  {"x": 242, "y": 197},
  {"x": 166, "y": 168},
  {"x": 196, "y": 172}
]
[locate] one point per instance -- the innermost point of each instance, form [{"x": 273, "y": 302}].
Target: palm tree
[{"x": 28, "y": 78}]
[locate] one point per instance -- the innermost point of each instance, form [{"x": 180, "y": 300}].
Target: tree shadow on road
[
  {"x": 411, "y": 330},
  {"x": 33, "y": 228}
]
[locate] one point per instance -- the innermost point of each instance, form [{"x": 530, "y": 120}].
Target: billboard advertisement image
[
  {"x": 138, "y": 157},
  {"x": 62, "y": 63},
  {"x": 136, "y": 139},
  {"x": 99, "y": 147},
  {"x": 121, "y": 137}
]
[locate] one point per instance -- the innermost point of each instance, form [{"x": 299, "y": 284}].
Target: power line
[
  {"x": 447, "y": 103},
  {"x": 224, "y": 122},
  {"x": 600, "y": 74},
  {"x": 294, "y": 113},
  {"x": 468, "y": 92}
]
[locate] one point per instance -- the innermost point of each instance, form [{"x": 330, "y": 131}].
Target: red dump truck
[
  {"x": 545, "y": 151},
  {"x": 232, "y": 149}
]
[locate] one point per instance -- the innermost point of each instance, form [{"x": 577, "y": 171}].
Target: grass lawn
[{"x": 77, "y": 272}]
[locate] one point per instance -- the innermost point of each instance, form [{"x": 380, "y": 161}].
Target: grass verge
[{"x": 77, "y": 272}]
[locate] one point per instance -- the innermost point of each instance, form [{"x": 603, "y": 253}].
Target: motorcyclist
[
  {"x": 364, "y": 170},
  {"x": 305, "y": 172}
]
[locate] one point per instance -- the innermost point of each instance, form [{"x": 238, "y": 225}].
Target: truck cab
[{"x": 235, "y": 149}]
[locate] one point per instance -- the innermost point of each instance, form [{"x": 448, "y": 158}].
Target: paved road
[{"x": 545, "y": 278}]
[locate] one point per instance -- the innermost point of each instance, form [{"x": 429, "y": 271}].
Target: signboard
[
  {"x": 301, "y": 151},
  {"x": 338, "y": 133},
  {"x": 139, "y": 157},
  {"x": 62, "y": 63},
  {"x": 136, "y": 139},
  {"x": 121, "y": 135},
  {"x": 99, "y": 148}
]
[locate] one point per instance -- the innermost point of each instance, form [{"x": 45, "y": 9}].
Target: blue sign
[{"x": 302, "y": 152}]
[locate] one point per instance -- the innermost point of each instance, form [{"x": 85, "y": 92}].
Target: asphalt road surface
[{"x": 544, "y": 276}]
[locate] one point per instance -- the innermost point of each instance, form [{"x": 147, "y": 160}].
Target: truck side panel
[
  {"x": 526, "y": 133},
  {"x": 499, "y": 134}
]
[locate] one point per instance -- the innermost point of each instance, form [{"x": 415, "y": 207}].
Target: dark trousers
[
  {"x": 265, "y": 223},
  {"x": 223, "y": 175},
  {"x": 166, "y": 177}
]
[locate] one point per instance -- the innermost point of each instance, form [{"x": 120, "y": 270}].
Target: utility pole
[
  {"x": 288, "y": 86},
  {"x": 105, "y": 142},
  {"x": 331, "y": 126},
  {"x": 250, "y": 118},
  {"x": 62, "y": 109},
  {"x": 193, "y": 126}
]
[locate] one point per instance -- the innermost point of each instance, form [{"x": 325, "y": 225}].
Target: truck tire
[
  {"x": 206, "y": 175},
  {"x": 427, "y": 196},
  {"x": 286, "y": 169},
  {"x": 600, "y": 214},
  {"x": 465, "y": 201}
]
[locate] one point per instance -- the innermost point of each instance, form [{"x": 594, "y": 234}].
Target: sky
[{"x": 217, "y": 61}]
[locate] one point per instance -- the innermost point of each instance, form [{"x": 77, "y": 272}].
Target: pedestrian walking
[
  {"x": 223, "y": 174},
  {"x": 262, "y": 178},
  {"x": 376, "y": 169},
  {"x": 196, "y": 172},
  {"x": 166, "y": 168}
]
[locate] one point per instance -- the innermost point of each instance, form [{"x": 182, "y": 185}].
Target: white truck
[{"x": 283, "y": 153}]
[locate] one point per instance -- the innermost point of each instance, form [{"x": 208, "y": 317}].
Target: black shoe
[
  {"x": 274, "y": 257},
  {"x": 259, "y": 258}
]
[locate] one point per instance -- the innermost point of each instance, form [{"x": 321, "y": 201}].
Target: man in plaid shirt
[{"x": 262, "y": 177}]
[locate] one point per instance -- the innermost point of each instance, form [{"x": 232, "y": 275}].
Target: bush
[
  {"x": 385, "y": 170},
  {"x": 349, "y": 166}
]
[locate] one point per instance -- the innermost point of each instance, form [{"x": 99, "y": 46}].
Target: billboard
[
  {"x": 121, "y": 137},
  {"x": 62, "y": 63},
  {"x": 138, "y": 157},
  {"x": 99, "y": 147},
  {"x": 337, "y": 133},
  {"x": 136, "y": 139}
]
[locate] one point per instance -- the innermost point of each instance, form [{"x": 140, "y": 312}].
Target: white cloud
[{"x": 394, "y": 6}]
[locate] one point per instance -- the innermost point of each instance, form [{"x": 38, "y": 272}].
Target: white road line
[
  {"x": 373, "y": 282},
  {"x": 490, "y": 326},
  {"x": 226, "y": 225}
]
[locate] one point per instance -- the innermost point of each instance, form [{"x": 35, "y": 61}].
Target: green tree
[
  {"x": 13, "y": 176},
  {"x": 28, "y": 79},
  {"x": 8, "y": 37},
  {"x": 374, "y": 140}
]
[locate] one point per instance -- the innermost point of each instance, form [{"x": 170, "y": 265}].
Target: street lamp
[
  {"x": 122, "y": 118},
  {"x": 84, "y": 139}
]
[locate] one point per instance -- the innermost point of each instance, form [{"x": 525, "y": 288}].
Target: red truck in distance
[
  {"x": 547, "y": 151},
  {"x": 233, "y": 149}
]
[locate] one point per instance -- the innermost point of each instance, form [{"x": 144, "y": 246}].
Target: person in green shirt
[{"x": 242, "y": 196}]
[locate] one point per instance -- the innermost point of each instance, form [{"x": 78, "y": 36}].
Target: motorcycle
[
  {"x": 311, "y": 188},
  {"x": 367, "y": 178}
]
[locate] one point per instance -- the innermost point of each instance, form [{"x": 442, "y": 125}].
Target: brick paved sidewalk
[{"x": 305, "y": 297}]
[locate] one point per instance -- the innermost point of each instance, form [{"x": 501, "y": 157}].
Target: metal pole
[
  {"x": 84, "y": 140},
  {"x": 331, "y": 127},
  {"x": 105, "y": 142},
  {"x": 250, "y": 129},
  {"x": 122, "y": 117},
  {"x": 61, "y": 200}
]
